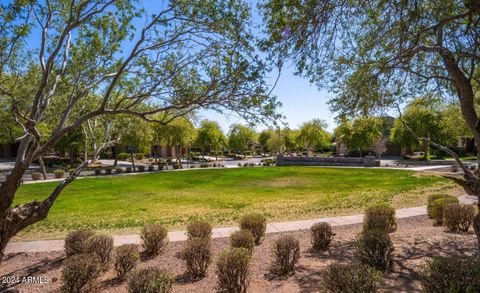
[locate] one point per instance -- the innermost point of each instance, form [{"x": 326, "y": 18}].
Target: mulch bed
[{"x": 415, "y": 240}]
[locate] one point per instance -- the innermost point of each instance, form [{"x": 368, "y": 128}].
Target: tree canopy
[
  {"x": 210, "y": 135},
  {"x": 240, "y": 138},
  {"x": 312, "y": 134},
  {"x": 361, "y": 133}
]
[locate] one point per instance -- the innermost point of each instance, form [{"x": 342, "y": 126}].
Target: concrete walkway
[{"x": 56, "y": 245}]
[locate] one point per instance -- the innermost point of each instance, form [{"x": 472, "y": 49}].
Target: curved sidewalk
[{"x": 56, "y": 245}]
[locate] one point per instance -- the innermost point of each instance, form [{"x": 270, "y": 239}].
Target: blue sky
[{"x": 301, "y": 102}]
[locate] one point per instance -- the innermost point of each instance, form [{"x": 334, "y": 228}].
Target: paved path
[{"x": 56, "y": 245}]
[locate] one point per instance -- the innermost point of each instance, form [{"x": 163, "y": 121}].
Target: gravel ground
[{"x": 415, "y": 240}]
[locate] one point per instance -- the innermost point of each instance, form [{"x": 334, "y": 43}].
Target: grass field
[{"x": 125, "y": 203}]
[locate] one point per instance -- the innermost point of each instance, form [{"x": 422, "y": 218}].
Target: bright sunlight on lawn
[{"x": 220, "y": 196}]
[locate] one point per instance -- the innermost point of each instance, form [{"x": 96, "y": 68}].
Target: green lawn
[{"x": 221, "y": 195}]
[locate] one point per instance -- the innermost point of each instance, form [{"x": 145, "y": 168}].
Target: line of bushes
[{"x": 373, "y": 257}]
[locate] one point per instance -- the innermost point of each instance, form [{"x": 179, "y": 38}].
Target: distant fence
[{"x": 319, "y": 161}]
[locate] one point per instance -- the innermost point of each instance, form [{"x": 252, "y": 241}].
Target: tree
[
  {"x": 313, "y": 135},
  {"x": 290, "y": 136},
  {"x": 240, "y": 138},
  {"x": 178, "y": 133},
  {"x": 210, "y": 135},
  {"x": 276, "y": 142},
  {"x": 360, "y": 134},
  {"x": 263, "y": 138},
  {"x": 424, "y": 117},
  {"x": 99, "y": 58},
  {"x": 376, "y": 54},
  {"x": 134, "y": 133}
]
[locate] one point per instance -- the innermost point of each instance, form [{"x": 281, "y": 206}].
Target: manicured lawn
[{"x": 221, "y": 195}]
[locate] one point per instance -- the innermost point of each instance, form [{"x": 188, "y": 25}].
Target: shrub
[
  {"x": 451, "y": 274},
  {"x": 123, "y": 156},
  {"x": 233, "y": 270},
  {"x": 80, "y": 273},
  {"x": 75, "y": 241},
  {"x": 380, "y": 217},
  {"x": 139, "y": 156},
  {"x": 199, "y": 229},
  {"x": 437, "y": 207},
  {"x": 342, "y": 278},
  {"x": 374, "y": 248},
  {"x": 118, "y": 170},
  {"x": 431, "y": 199},
  {"x": 98, "y": 171},
  {"x": 242, "y": 238},
  {"x": 154, "y": 238},
  {"x": 286, "y": 251},
  {"x": 141, "y": 168},
  {"x": 150, "y": 280},
  {"x": 128, "y": 169},
  {"x": 126, "y": 258},
  {"x": 256, "y": 223},
  {"x": 458, "y": 217},
  {"x": 160, "y": 167},
  {"x": 454, "y": 168},
  {"x": 151, "y": 168},
  {"x": 36, "y": 175},
  {"x": 102, "y": 246},
  {"x": 322, "y": 235},
  {"x": 59, "y": 173},
  {"x": 197, "y": 255}
]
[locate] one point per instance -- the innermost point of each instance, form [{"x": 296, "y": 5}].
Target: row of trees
[
  {"x": 208, "y": 137},
  {"x": 427, "y": 116}
]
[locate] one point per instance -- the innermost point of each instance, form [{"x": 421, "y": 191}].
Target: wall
[{"x": 319, "y": 161}]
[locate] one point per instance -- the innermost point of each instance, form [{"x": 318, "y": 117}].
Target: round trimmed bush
[
  {"x": 321, "y": 235},
  {"x": 451, "y": 274},
  {"x": 437, "y": 207},
  {"x": 150, "y": 280},
  {"x": 233, "y": 270},
  {"x": 431, "y": 199},
  {"x": 154, "y": 238},
  {"x": 126, "y": 258},
  {"x": 197, "y": 255},
  {"x": 199, "y": 229},
  {"x": 80, "y": 273},
  {"x": 242, "y": 238},
  {"x": 256, "y": 223},
  {"x": 36, "y": 176},
  {"x": 102, "y": 246},
  {"x": 123, "y": 156},
  {"x": 286, "y": 251},
  {"x": 342, "y": 278},
  {"x": 59, "y": 173},
  {"x": 458, "y": 217},
  {"x": 75, "y": 241},
  {"x": 380, "y": 217},
  {"x": 374, "y": 248}
]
